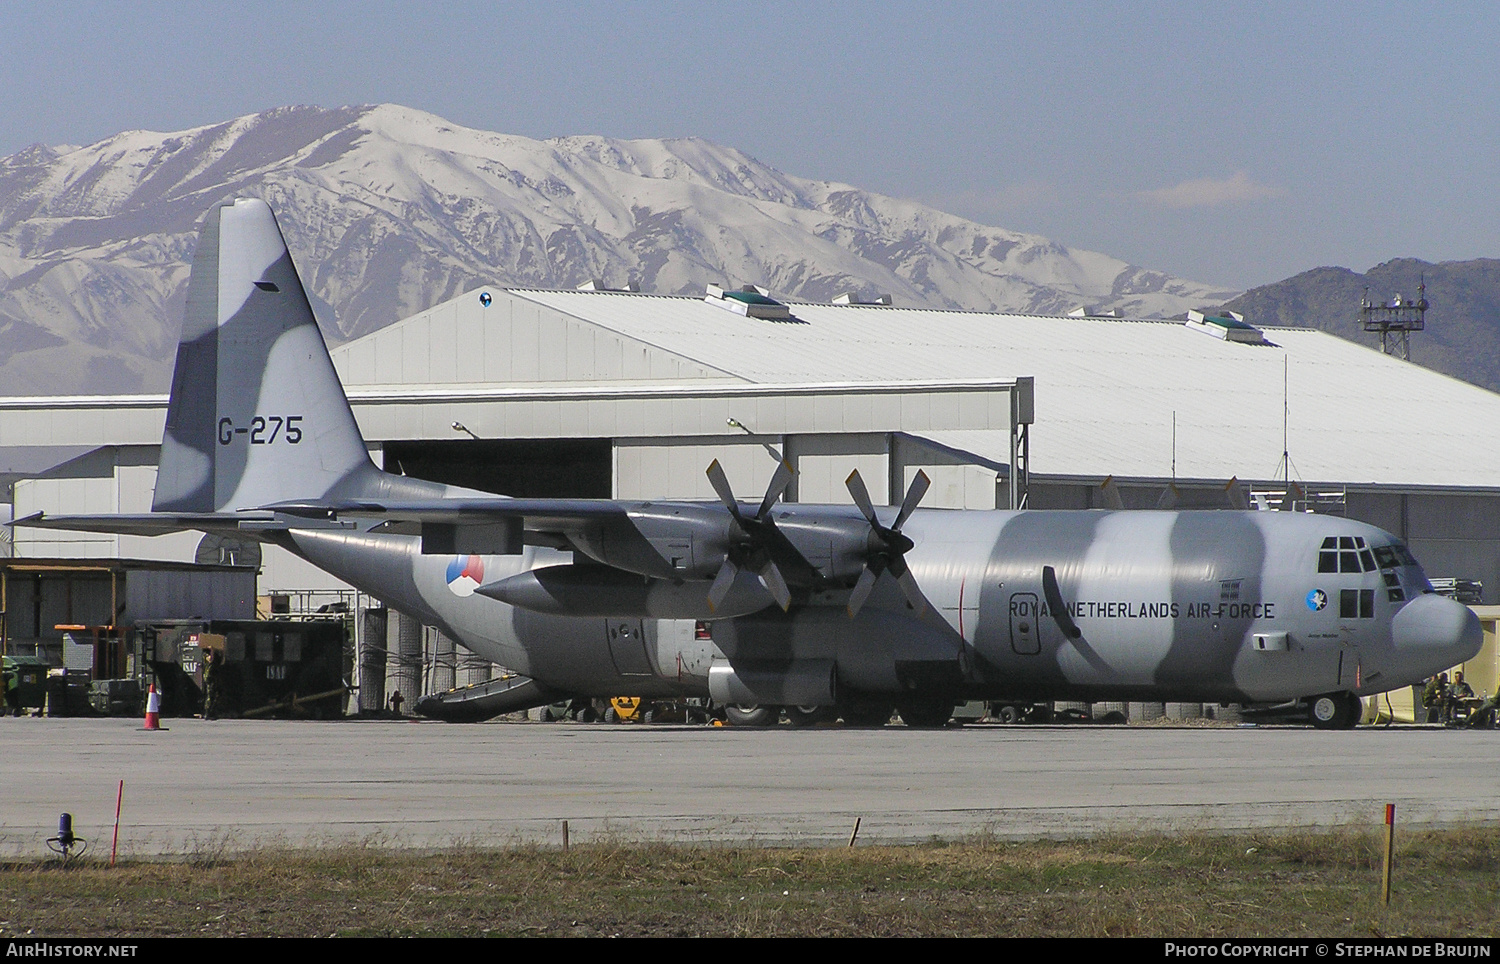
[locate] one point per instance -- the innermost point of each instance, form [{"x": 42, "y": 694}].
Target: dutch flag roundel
[{"x": 465, "y": 574}]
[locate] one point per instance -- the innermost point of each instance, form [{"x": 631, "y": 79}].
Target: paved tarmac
[{"x": 207, "y": 786}]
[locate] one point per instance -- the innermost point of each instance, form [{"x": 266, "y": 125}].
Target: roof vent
[
  {"x": 1086, "y": 312},
  {"x": 853, "y": 298},
  {"x": 1230, "y": 326},
  {"x": 597, "y": 284},
  {"x": 752, "y": 301}
]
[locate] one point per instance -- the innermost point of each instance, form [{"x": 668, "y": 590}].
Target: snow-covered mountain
[{"x": 389, "y": 210}]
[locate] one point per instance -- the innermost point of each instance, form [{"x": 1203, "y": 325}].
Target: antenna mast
[
  {"x": 1402, "y": 316},
  {"x": 1284, "y": 468}
]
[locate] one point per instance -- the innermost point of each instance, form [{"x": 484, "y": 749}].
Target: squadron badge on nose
[{"x": 1317, "y": 599}]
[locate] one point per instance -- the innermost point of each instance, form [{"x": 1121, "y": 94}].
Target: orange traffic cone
[{"x": 153, "y": 709}]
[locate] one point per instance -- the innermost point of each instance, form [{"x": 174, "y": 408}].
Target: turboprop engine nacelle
[
  {"x": 664, "y": 541},
  {"x": 600, "y": 591}
]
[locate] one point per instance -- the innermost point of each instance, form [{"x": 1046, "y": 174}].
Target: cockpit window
[
  {"x": 1350, "y": 554},
  {"x": 1357, "y": 604},
  {"x": 1345, "y": 554},
  {"x": 1392, "y": 558}
]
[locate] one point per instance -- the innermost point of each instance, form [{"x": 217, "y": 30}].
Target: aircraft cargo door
[
  {"x": 627, "y": 646},
  {"x": 1024, "y": 638}
]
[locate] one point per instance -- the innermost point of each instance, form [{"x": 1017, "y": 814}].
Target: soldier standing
[
  {"x": 12, "y": 683},
  {"x": 211, "y": 685}
]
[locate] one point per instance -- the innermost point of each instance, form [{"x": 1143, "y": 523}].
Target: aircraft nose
[{"x": 1432, "y": 633}]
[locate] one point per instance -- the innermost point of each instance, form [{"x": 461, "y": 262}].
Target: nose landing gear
[{"x": 1334, "y": 711}]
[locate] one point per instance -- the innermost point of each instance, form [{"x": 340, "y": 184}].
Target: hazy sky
[{"x": 1232, "y": 143}]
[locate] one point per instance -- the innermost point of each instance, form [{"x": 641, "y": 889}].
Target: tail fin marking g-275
[{"x": 257, "y": 414}]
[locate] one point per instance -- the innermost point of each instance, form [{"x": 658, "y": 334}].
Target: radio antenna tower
[{"x": 1402, "y": 316}]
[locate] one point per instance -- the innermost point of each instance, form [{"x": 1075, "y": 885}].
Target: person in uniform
[
  {"x": 1435, "y": 696},
  {"x": 211, "y": 684},
  {"x": 1460, "y": 698},
  {"x": 12, "y": 684}
]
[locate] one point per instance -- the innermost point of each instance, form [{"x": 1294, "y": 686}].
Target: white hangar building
[{"x": 602, "y": 393}]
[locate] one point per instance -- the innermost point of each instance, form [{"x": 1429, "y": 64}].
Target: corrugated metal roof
[{"x": 1106, "y": 389}]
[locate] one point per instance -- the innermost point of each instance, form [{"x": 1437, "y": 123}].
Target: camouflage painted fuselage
[
  {"x": 260, "y": 441},
  {"x": 1205, "y": 605}
]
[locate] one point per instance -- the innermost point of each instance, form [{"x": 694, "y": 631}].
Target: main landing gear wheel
[
  {"x": 1334, "y": 711},
  {"x": 803, "y": 715},
  {"x": 751, "y": 715}
]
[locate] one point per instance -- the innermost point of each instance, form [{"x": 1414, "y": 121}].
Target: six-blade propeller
[
  {"x": 887, "y": 546},
  {"x": 756, "y": 544},
  {"x": 753, "y": 551}
]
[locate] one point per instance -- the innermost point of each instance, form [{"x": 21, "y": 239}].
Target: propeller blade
[
  {"x": 888, "y": 545},
  {"x": 722, "y": 584},
  {"x": 862, "y": 590},
  {"x": 720, "y": 482},
  {"x": 776, "y": 489},
  {"x": 909, "y": 589},
  {"x": 914, "y": 493},
  {"x": 771, "y": 577},
  {"x": 856, "y": 486}
]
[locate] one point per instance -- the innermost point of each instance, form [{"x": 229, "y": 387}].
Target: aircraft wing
[
  {"x": 478, "y": 524},
  {"x": 633, "y": 536},
  {"x": 539, "y": 514},
  {"x": 816, "y": 547}
]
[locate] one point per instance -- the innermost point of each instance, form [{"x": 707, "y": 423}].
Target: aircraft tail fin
[{"x": 257, "y": 414}]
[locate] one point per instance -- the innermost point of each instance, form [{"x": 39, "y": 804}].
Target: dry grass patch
[{"x": 1264, "y": 884}]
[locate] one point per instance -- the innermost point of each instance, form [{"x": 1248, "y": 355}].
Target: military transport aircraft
[{"x": 850, "y": 606}]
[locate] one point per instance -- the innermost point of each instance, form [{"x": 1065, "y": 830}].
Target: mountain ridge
[{"x": 389, "y": 210}]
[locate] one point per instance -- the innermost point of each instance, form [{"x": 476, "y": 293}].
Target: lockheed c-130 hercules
[{"x": 851, "y": 606}]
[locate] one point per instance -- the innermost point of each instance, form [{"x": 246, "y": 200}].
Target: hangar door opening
[{"x": 524, "y": 468}]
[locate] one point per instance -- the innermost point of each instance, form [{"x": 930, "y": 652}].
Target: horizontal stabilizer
[{"x": 155, "y": 523}]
